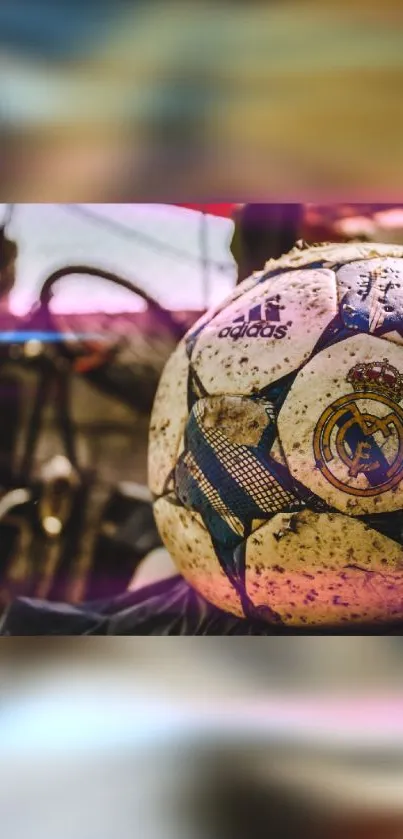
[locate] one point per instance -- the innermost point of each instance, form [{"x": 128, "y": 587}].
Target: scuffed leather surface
[{"x": 170, "y": 607}]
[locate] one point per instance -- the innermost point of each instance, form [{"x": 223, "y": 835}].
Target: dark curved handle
[
  {"x": 134, "y": 389},
  {"x": 161, "y": 313}
]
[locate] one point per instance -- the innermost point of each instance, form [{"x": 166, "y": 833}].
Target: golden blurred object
[
  {"x": 33, "y": 348},
  {"x": 52, "y": 526}
]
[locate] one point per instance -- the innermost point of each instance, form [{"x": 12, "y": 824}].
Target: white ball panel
[
  {"x": 235, "y": 294},
  {"x": 190, "y": 546},
  {"x": 168, "y": 419},
  {"x": 319, "y": 568},
  {"x": 370, "y": 293},
  {"x": 332, "y": 254},
  {"x": 268, "y": 333}
]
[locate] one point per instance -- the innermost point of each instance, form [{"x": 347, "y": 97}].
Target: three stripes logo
[{"x": 261, "y": 321}]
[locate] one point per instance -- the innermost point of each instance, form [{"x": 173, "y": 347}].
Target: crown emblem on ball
[{"x": 379, "y": 377}]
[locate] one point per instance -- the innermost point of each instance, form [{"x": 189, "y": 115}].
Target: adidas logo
[{"x": 261, "y": 321}]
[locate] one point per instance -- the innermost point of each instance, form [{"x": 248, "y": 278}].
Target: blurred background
[
  {"x": 81, "y": 352},
  {"x": 93, "y": 300},
  {"x": 151, "y": 101},
  {"x": 110, "y": 737}
]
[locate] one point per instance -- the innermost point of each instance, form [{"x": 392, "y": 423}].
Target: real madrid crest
[{"x": 358, "y": 440}]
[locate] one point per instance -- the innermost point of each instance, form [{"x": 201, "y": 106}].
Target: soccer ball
[{"x": 276, "y": 442}]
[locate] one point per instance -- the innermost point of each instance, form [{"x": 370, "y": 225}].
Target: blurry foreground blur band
[{"x": 133, "y": 744}]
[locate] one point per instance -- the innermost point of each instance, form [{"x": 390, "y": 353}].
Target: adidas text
[{"x": 256, "y": 329}]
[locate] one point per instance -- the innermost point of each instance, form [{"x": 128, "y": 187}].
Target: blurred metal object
[
  {"x": 127, "y": 533},
  {"x": 59, "y": 480},
  {"x": 13, "y": 499},
  {"x": 123, "y": 366},
  {"x": 33, "y": 348},
  {"x": 136, "y": 492},
  {"x": 59, "y": 484},
  {"x": 17, "y": 567},
  {"x": 122, "y": 354}
]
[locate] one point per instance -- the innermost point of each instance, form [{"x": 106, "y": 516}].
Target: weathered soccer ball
[{"x": 276, "y": 442}]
